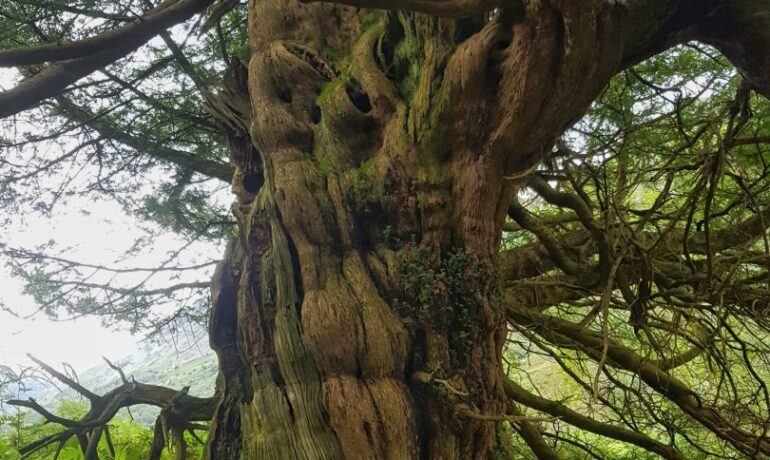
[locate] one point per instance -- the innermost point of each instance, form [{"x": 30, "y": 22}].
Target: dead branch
[{"x": 179, "y": 412}]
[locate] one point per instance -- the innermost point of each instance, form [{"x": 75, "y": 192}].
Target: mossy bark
[{"x": 356, "y": 313}]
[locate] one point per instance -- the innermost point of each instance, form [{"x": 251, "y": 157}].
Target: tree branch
[
  {"x": 178, "y": 409},
  {"x": 209, "y": 168},
  {"x": 532, "y": 436},
  {"x": 55, "y": 78},
  {"x": 741, "y": 30},
  {"x": 136, "y": 33},
  {"x": 65, "y": 380},
  {"x": 557, "y": 409},
  {"x": 562, "y": 332}
]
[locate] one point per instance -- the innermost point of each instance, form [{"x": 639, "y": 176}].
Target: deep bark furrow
[{"x": 368, "y": 321}]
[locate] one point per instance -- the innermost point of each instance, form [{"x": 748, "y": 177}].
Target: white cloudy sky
[
  {"x": 99, "y": 236},
  {"x": 78, "y": 342}
]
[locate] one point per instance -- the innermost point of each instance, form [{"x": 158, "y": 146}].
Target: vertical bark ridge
[
  {"x": 353, "y": 345},
  {"x": 368, "y": 313}
]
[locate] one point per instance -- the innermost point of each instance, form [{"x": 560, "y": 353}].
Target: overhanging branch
[
  {"x": 520, "y": 395},
  {"x": 597, "y": 347},
  {"x": 186, "y": 160},
  {"x": 167, "y": 14},
  {"x": 55, "y": 78}
]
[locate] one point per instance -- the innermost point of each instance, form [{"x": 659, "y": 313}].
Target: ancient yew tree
[{"x": 379, "y": 151}]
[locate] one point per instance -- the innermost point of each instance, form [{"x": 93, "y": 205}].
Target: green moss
[
  {"x": 327, "y": 89},
  {"x": 443, "y": 291},
  {"x": 360, "y": 191},
  {"x": 335, "y": 55},
  {"x": 420, "y": 55},
  {"x": 366, "y": 166},
  {"x": 322, "y": 149},
  {"x": 369, "y": 19},
  {"x": 408, "y": 64},
  {"x": 365, "y": 192},
  {"x": 387, "y": 236},
  {"x": 325, "y": 165}
]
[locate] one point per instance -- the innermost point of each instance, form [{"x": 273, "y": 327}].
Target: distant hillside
[{"x": 185, "y": 361}]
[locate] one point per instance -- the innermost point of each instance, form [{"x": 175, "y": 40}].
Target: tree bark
[{"x": 356, "y": 314}]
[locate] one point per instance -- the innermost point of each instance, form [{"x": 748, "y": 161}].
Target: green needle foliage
[{"x": 633, "y": 268}]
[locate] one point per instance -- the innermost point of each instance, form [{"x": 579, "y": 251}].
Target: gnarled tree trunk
[{"x": 356, "y": 314}]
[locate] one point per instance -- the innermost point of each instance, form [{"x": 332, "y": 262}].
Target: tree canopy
[{"x": 633, "y": 266}]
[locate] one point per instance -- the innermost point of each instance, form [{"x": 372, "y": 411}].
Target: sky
[
  {"x": 80, "y": 343},
  {"x": 97, "y": 237},
  {"x": 51, "y": 341},
  {"x": 92, "y": 232}
]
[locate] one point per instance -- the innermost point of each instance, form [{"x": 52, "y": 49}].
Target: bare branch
[
  {"x": 178, "y": 410},
  {"x": 118, "y": 369},
  {"x": 66, "y": 380},
  {"x": 32, "y": 404}
]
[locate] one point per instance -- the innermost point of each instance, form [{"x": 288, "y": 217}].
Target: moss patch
[{"x": 445, "y": 292}]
